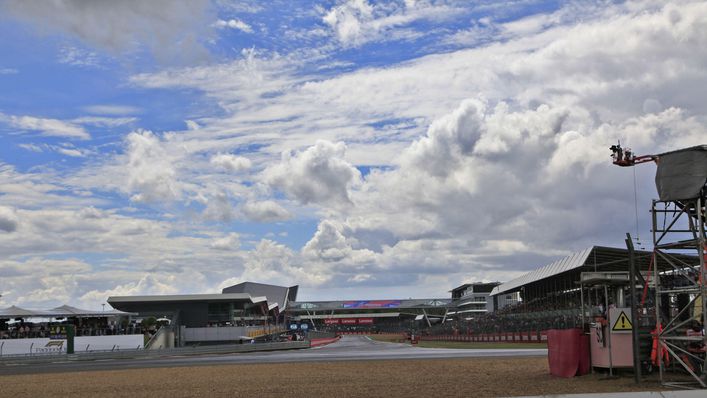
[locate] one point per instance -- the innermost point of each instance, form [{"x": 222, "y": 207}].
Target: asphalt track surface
[{"x": 349, "y": 348}]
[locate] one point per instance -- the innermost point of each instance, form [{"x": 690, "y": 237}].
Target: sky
[{"x": 359, "y": 149}]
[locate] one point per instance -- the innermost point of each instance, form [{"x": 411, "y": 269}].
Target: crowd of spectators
[{"x": 23, "y": 330}]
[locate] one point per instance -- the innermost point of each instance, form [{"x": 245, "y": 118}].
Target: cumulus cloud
[
  {"x": 8, "y": 219},
  {"x": 449, "y": 140},
  {"x": 229, "y": 242},
  {"x": 277, "y": 264},
  {"x": 231, "y": 163},
  {"x": 327, "y": 244},
  {"x": 319, "y": 174},
  {"x": 47, "y": 127},
  {"x": 265, "y": 211},
  {"x": 148, "y": 284},
  {"x": 151, "y": 174},
  {"x": 484, "y": 162},
  {"x": 356, "y": 22},
  {"x": 219, "y": 208}
]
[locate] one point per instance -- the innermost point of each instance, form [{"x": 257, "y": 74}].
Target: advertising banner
[
  {"x": 365, "y": 321},
  {"x": 331, "y": 321},
  {"x": 372, "y": 304},
  {"x": 82, "y": 344},
  {"x": 348, "y": 321}
]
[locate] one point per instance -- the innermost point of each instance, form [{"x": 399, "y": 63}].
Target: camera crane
[{"x": 625, "y": 157}]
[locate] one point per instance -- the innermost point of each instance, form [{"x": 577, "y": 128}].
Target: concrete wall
[{"x": 231, "y": 333}]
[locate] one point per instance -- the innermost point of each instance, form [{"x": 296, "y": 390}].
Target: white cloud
[
  {"x": 8, "y": 219},
  {"x": 75, "y": 56},
  {"x": 327, "y": 244},
  {"x": 277, "y": 264},
  {"x": 8, "y": 71},
  {"x": 47, "y": 127},
  {"x": 73, "y": 152},
  {"x": 31, "y": 147},
  {"x": 234, "y": 23},
  {"x": 219, "y": 208},
  {"x": 65, "y": 149},
  {"x": 495, "y": 160},
  {"x": 108, "y": 109},
  {"x": 231, "y": 163},
  {"x": 265, "y": 211},
  {"x": 104, "y": 121},
  {"x": 356, "y": 22},
  {"x": 229, "y": 242},
  {"x": 148, "y": 284},
  {"x": 151, "y": 173},
  {"x": 319, "y": 174}
]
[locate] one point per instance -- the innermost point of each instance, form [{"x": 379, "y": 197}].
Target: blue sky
[{"x": 361, "y": 149}]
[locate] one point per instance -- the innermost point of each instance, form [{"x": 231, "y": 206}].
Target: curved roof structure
[
  {"x": 573, "y": 261},
  {"x": 65, "y": 311}
]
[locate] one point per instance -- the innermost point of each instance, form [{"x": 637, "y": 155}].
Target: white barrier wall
[
  {"x": 81, "y": 344},
  {"x": 228, "y": 333}
]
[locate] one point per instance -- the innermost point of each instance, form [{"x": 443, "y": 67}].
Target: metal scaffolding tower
[
  {"x": 679, "y": 341},
  {"x": 680, "y": 305}
]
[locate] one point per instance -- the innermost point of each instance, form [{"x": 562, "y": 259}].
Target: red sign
[
  {"x": 331, "y": 321},
  {"x": 351, "y": 321},
  {"x": 365, "y": 321}
]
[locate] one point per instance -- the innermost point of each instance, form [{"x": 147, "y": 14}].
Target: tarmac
[{"x": 348, "y": 348}]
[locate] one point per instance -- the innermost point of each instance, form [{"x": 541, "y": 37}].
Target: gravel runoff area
[{"x": 476, "y": 377}]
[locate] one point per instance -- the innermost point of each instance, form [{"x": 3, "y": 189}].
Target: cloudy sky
[{"x": 357, "y": 148}]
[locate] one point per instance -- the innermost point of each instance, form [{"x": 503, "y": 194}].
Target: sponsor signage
[
  {"x": 331, "y": 321},
  {"x": 293, "y": 326},
  {"x": 372, "y": 304},
  {"x": 351, "y": 321},
  {"x": 83, "y": 344},
  {"x": 304, "y": 326}
]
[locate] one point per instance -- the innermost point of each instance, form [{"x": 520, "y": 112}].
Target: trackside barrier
[
  {"x": 536, "y": 336},
  {"x": 141, "y": 353}
]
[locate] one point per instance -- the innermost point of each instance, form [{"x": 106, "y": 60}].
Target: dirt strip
[{"x": 475, "y": 377}]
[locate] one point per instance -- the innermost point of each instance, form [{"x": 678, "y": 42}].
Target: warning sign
[{"x": 622, "y": 323}]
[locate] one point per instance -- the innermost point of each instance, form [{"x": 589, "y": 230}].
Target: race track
[{"x": 349, "y": 348}]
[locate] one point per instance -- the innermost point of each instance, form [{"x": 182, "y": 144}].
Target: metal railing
[{"x": 140, "y": 353}]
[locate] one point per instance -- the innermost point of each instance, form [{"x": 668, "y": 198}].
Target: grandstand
[{"x": 371, "y": 315}]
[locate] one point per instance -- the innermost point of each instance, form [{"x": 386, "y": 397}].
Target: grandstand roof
[
  {"x": 595, "y": 258},
  {"x": 279, "y": 295},
  {"x": 574, "y": 260},
  {"x": 302, "y": 306},
  {"x": 65, "y": 311},
  {"x": 223, "y": 297}
]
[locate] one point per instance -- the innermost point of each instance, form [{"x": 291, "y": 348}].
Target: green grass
[{"x": 458, "y": 344}]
